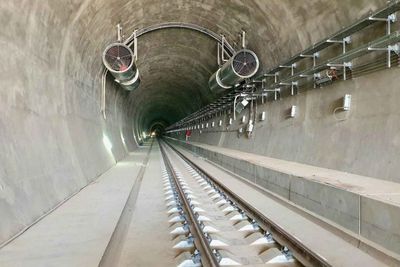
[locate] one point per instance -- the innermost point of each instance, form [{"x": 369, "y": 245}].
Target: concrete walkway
[
  {"x": 378, "y": 189},
  {"x": 148, "y": 241},
  {"x": 367, "y": 207},
  {"x": 78, "y": 232},
  {"x": 314, "y": 236}
]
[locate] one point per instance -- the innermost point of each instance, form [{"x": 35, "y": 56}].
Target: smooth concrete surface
[
  {"x": 367, "y": 206},
  {"x": 311, "y": 234},
  {"x": 55, "y": 139},
  {"x": 51, "y": 130},
  {"x": 77, "y": 233},
  {"x": 148, "y": 241}
]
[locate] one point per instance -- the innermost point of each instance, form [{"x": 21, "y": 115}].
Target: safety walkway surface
[
  {"x": 379, "y": 189},
  {"x": 367, "y": 207},
  {"x": 147, "y": 241},
  {"x": 78, "y": 232},
  {"x": 313, "y": 235}
]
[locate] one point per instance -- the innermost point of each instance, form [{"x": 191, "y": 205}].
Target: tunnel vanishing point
[{"x": 199, "y": 133}]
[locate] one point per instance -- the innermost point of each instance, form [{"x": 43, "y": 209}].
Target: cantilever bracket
[
  {"x": 390, "y": 48},
  {"x": 289, "y": 66},
  {"x": 289, "y": 84},
  {"x": 393, "y": 48},
  {"x": 390, "y": 18},
  {"x": 315, "y": 55},
  {"x": 345, "y": 40},
  {"x": 345, "y": 65},
  {"x": 275, "y": 75}
]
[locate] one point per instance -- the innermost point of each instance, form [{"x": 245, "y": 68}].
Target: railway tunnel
[{"x": 199, "y": 133}]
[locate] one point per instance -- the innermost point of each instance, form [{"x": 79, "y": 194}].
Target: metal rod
[
  {"x": 179, "y": 25},
  {"x": 243, "y": 39},
  {"x": 389, "y": 53},
  {"x": 344, "y": 67},
  {"x": 119, "y": 32},
  {"x": 135, "y": 43}
]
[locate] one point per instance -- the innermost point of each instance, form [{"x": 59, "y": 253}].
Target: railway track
[{"x": 212, "y": 226}]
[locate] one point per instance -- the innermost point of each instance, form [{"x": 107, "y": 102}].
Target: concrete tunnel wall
[{"x": 51, "y": 127}]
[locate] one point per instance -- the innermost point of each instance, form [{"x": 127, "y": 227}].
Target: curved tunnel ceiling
[
  {"x": 175, "y": 64},
  {"x": 174, "y": 75}
]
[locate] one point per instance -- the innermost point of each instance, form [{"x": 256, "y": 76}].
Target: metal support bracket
[
  {"x": 345, "y": 64},
  {"x": 391, "y": 48},
  {"x": 275, "y": 75},
  {"x": 344, "y": 41},
  {"x": 221, "y": 53},
  {"x": 135, "y": 45},
  {"x": 243, "y": 35},
  {"x": 391, "y": 18},
  {"x": 119, "y": 33},
  {"x": 293, "y": 84}
]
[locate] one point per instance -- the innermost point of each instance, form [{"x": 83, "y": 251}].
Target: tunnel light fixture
[
  {"x": 346, "y": 102},
  {"x": 220, "y": 123},
  {"x": 249, "y": 128},
  {"x": 346, "y": 106},
  {"x": 202, "y": 126},
  {"x": 263, "y": 116},
  {"x": 213, "y": 124},
  {"x": 293, "y": 111},
  {"x": 207, "y": 125}
]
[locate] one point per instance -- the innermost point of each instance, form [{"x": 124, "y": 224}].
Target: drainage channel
[{"x": 212, "y": 227}]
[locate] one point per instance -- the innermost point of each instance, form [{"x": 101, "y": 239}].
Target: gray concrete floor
[
  {"x": 147, "y": 241},
  {"x": 77, "y": 233}
]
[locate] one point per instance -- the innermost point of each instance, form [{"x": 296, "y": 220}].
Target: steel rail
[
  {"x": 300, "y": 251},
  {"x": 207, "y": 257}
]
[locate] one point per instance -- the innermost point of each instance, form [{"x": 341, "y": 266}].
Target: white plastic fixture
[
  {"x": 207, "y": 125},
  {"x": 230, "y": 121},
  {"x": 213, "y": 124},
  {"x": 244, "y": 119},
  {"x": 347, "y": 102},
  {"x": 293, "y": 111},
  {"x": 250, "y": 127},
  {"x": 263, "y": 115},
  {"x": 220, "y": 123}
]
